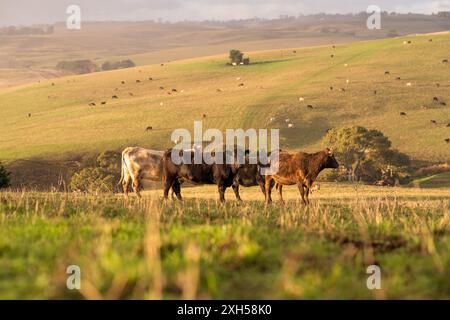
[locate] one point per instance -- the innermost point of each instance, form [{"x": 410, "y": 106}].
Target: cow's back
[{"x": 147, "y": 163}]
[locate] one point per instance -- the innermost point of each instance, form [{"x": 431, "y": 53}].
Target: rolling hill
[
  {"x": 52, "y": 120},
  {"x": 26, "y": 59}
]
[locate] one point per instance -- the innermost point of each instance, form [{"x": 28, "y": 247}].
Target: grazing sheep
[
  {"x": 123, "y": 82},
  {"x": 138, "y": 81},
  {"x": 150, "y": 78},
  {"x": 162, "y": 64},
  {"x": 398, "y": 78},
  {"x": 310, "y": 106},
  {"x": 115, "y": 97},
  {"x": 435, "y": 99},
  {"x": 290, "y": 125},
  {"x": 240, "y": 85},
  {"x": 403, "y": 114},
  {"x": 238, "y": 78},
  {"x": 331, "y": 88},
  {"x": 447, "y": 140},
  {"x": 161, "y": 88},
  {"x": 204, "y": 116},
  {"x": 174, "y": 90},
  {"x": 332, "y": 56},
  {"x": 409, "y": 42},
  {"x": 287, "y": 120},
  {"x": 438, "y": 85},
  {"x": 92, "y": 104},
  {"x": 342, "y": 89},
  {"x": 387, "y": 72},
  {"x": 53, "y": 84},
  {"x": 301, "y": 99},
  {"x": 161, "y": 103},
  {"x": 150, "y": 128},
  {"x": 169, "y": 93},
  {"x": 443, "y": 103},
  {"x": 219, "y": 90},
  {"x": 347, "y": 81},
  {"x": 103, "y": 102},
  {"x": 445, "y": 61},
  {"x": 29, "y": 115},
  {"x": 430, "y": 40},
  {"x": 448, "y": 125},
  {"x": 409, "y": 84},
  {"x": 294, "y": 51},
  {"x": 375, "y": 92},
  {"x": 131, "y": 94},
  {"x": 334, "y": 47},
  {"x": 433, "y": 121}
]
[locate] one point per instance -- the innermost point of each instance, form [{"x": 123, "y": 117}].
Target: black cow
[{"x": 221, "y": 175}]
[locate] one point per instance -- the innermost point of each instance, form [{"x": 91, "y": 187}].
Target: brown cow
[
  {"x": 139, "y": 163},
  {"x": 301, "y": 169}
]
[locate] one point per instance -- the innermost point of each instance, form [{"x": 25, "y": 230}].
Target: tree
[
  {"x": 366, "y": 154},
  {"x": 99, "y": 175},
  {"x": 5, "y": 181},
  {"x": 236, "y": 56}
]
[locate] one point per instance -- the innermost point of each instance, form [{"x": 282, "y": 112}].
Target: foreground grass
[{"x": 201, "y": 249}]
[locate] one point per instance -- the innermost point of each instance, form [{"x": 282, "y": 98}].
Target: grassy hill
[
  {"x": 27, "y": 59},
  {"x": 62, "y": 125}
]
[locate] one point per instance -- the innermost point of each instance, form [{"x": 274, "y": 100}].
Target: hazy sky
[{"x": 26, "y": 12}]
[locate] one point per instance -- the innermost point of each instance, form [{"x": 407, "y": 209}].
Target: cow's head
[{"x": 330, "y": 160}]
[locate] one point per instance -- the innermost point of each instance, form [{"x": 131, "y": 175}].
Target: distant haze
[{"x": 27, "y": 12}]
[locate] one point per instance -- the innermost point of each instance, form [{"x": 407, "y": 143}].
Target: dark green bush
[
  {"x": 5, "y": 181},
  {"x": 99, "y": 174}
]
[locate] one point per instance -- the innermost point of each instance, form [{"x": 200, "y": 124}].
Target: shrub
[
  {"x": 100, "y": 175},
  {"x": 118, "y": 65},
  {"x": 5, "y": 181},
  {"x": 77, "y": 66}
]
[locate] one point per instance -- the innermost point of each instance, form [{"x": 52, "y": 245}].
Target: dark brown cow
[
  {"x": 248, "y": 175},
  {"x": 301, "y": 169},
  {"x": 221, "y": 175}
]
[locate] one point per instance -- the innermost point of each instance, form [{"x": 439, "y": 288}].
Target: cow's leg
[
  {"x": 236, "y": 191},
  {"x": 136, "y": 184},
  {"x": 268, "y": 187},
  {"x": 280, "y": 192},
  {"x": 221, "y": 189},
  {"x": 263, "y": 188},
  {"x": 176, "y": 188},
  {"x": 302, "y": 192},
  {"x": 306, "y": 194},
  {"x": 168, "y": 183},
  {"x": 126, "y": 184}
]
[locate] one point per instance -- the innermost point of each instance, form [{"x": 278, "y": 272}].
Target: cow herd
[{"x": 298, "y": 168}]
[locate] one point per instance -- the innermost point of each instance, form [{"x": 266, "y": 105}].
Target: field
[
  {"x": 55, "y": 122},
  {"x": 27, "y": 59},
  {"x": 201, "y": 249}
]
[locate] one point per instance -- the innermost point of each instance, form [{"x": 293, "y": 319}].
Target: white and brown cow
[{"x": 141, "y": 164}]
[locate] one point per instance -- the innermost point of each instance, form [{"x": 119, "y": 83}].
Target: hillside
[
  {"x": 62, "y": 125},
  {"x": 27, "y": 59}
]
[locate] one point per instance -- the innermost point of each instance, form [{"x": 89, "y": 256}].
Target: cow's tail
[{"x": 122, "y": 170}]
